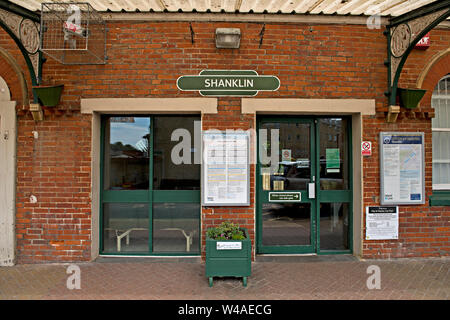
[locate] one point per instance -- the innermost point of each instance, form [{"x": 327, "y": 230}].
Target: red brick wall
[{"x": 145, "y": 59}]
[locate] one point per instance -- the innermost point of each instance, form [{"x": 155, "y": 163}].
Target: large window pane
[
  {"x": 176, "y": 227},
  {"x": 125, "y": 227},
  {"x": 293, "y": 170},
  {"x": 126, "y": 153},
  {"x": 174, "y": 173},
  {"x": 286, "y": 224},
  {"x": 440, "y": 101},
  {"x": 333, "y": 154},
  {"x": 441, "y": 157},
  {"x": 334, "y": 222}
]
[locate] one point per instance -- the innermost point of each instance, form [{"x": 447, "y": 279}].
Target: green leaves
[{"x": 226, "y": 231}]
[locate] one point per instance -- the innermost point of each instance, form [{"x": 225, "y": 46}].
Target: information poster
[
  {"x": 402, "y": 168},
  {"x": 225, "y": 169},
  {"x": 381, "y": 223}
]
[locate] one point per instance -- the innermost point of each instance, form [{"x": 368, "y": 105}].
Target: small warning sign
[{"x": 366, "y": 148}]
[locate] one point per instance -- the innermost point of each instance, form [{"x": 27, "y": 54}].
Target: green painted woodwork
[{"x": 228, "y": 263}]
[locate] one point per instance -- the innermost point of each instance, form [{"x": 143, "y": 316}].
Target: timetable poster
[
  {"x": 402, "y": 168},
  {"x": 225, "y": 169}
]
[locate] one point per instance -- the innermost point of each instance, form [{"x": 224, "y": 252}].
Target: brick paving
[{"x": 291, "y": 278}]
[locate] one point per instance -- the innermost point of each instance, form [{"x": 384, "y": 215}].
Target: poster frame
[
  {"x": 382, "y": 166},
  {"x": 204, "y": 168}
]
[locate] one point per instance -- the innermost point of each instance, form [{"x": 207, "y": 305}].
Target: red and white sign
[
  {"x": 366, "y": 148},
  {"x": 423, "y": 43}
]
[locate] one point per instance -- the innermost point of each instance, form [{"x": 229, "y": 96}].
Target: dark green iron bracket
[
  {"x": 20, "y": 11},
  {"x": 20, "y": 18},
  {"x": 23, "y": 50},
  {"x": 403, "y": 32}
]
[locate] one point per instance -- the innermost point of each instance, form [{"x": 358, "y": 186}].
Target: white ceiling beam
[
  {"x": 407, "y": 7},
  {"x": 332, "y": 7},
  {"x": 320, "y": 5},
  {"x": 304, "y": 6}
]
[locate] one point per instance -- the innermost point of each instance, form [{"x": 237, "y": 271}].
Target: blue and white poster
[{"x": 402, "y": 168}]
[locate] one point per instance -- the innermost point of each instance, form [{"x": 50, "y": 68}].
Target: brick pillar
[{"x": 229, "y": 116}]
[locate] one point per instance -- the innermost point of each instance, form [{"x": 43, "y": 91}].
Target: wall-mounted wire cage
[{"x": 73, "y": 33}]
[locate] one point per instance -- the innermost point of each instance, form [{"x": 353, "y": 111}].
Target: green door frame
[
  {"x": 322, "y": 196},
  {"x": 149, "y": 196}
]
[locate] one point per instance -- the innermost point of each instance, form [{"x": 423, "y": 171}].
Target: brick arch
[
  {"x": 438, "y": 67},
  {"x": 11, "y": 72}
]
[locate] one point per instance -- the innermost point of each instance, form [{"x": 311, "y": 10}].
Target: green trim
[
  {"x": 440, "y": 198},
  {"x": 262, "y": 196},
  {"x": 322, "y": 196},
  {"x": 20, "y": 11},
  {"x": 402, "y": 19},
  {"x": 419, "y": 12},
  {"x": 149, "y": 197},
  {"x": 24, "y": 54}
]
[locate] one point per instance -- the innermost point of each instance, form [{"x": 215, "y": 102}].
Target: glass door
[
  {"x": 286, "y": 166},
  {"x": 150, "y": 198},
  {"x": 304, "y": 191}
]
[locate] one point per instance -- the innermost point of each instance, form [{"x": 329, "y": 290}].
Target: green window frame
[{"x": 148, "y": 197}]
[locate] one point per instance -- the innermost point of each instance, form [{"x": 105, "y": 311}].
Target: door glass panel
[
  {"x": 286, "y": 224},
  {"x": 334, "y": 222},
  {"x": 125, "y": 227},
  {"x": 293, "y": 168},
  {"x": 176, "y": 227},
  {"x": 333, "y": 154},
  {"x": 126, "y": 156},
  {"x": 173, "y": 167}
]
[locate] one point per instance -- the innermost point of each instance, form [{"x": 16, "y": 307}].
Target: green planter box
[
  {"x": 229, "y": 258},
  {"x": 409, "y": 98}
]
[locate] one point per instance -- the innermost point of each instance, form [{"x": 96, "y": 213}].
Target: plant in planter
[
  {"x": 228, "y": 252},
  {"x": 48, "y": 95},
  {"x": 410, "y": 97}
]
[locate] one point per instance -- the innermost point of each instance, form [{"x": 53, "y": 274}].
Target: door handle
[{"x": 312, "y": 190}]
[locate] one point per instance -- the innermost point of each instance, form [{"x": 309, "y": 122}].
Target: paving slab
[{"x": 274, "y": 278}]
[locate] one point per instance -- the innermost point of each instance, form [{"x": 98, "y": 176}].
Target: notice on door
[
  {"x": 381, "y": 223},
  {"x": 402, "y": 168},
  {"x": 332, "y": 160},
  {"x": 225, "y": 169}
]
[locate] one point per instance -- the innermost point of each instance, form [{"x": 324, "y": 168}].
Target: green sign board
[
  {"x": 228, "y": 83},
  {"x": 285, "y": 197}
]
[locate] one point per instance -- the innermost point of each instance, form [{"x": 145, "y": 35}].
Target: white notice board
[
  {"x": 402, "y": 168},
  {"x": 381, "y": 223},
  {"x": 225, "y": 168}
]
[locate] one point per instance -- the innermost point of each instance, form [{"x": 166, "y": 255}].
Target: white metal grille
[{"x": 73, "y": 33}]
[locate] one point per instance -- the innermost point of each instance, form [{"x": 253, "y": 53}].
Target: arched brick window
[{"x": 440, "y": 101}]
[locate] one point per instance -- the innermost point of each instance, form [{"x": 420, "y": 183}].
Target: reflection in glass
[
  {"x": 176, "y": 227},
  {"x": 333, "y": 154},
  {"x": 286, "y": 224},
  {"x": 294, "y": 169},
  {"x": 125, "y": 227},
  {"x": 127, "y": 141},
  {"x": 167, "y": 174},
  {"x": 334, "y": 226}
]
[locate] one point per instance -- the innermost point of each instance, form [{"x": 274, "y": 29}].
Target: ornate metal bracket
[
  {"x": 25, "y": 32},
  {"x": 404, "y": 32}
]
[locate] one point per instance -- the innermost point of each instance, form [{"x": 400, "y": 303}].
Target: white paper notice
[
  {"x": 225, "y": 168},
  {"x": 381, "y": 223}
]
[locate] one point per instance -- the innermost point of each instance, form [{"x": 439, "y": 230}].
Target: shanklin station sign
[{"x": 228, "y": 83}]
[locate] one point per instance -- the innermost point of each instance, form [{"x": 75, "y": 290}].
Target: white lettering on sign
[
  {"x": 228, "y": 83},
  {"x": 229, "y": 245}
]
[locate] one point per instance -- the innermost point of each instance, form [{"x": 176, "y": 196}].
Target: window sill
[{"x": 440, "y": 198}]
